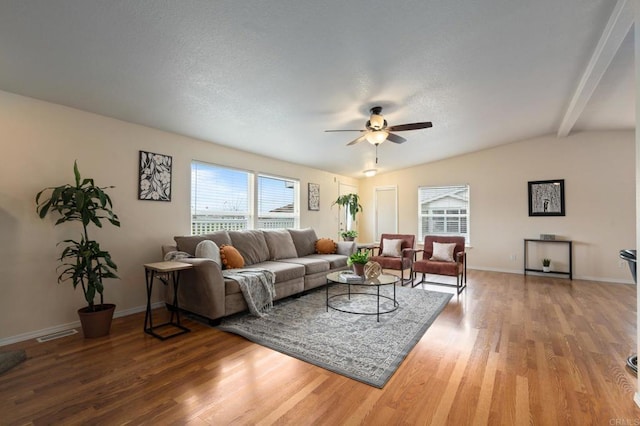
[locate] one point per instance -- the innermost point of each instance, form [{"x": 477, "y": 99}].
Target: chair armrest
[
  {"x": 413, "y": 252},
  {"x": 461, "y": 256}
]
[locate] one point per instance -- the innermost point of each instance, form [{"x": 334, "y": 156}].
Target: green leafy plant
[
  {"x": 360, "y": 257},
  {"x": 83, "y": 261},
  {"x": 546, "y": 262},
  {"x": 349, "y": 234},
  {"x": 351, "y": 202}
]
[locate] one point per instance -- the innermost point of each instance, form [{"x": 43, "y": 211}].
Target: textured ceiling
[{"x": 270, "y": 77}]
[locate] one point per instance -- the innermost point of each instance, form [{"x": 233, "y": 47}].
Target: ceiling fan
[{"x": 377, "y": 130}]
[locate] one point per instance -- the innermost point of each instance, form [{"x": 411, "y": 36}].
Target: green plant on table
[
  {"x": 359, "y": 257},
  {"x": 83, "y": 261},
  {"x": 546, "y": 262}
]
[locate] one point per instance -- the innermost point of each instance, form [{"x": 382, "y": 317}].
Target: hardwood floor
[{"x": 509, "y": 350}]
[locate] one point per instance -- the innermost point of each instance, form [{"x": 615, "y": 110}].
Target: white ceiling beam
[{"x": 617, "y": 28}]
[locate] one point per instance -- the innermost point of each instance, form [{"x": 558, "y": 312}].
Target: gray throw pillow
[
  {"x": 304, "y": 240},
  {"x": 251, "y": 245},
  {"x": 280, "y": 244},
  {"x": 208, "y": 250}
]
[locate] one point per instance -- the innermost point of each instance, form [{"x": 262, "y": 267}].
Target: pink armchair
[
  {"x": 402, "y": 258},
  {"x": 456, "y": 266}
]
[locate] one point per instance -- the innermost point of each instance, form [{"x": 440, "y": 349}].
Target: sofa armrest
[
  {"x": 346, "y": 248},
  {"x": 202, "y": 288}
]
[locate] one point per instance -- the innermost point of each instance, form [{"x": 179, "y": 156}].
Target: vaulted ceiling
[{"x": 270, "y": 76}]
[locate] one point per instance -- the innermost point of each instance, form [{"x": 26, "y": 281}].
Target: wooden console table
[
  {"x": 569, "y": 243},
  {"x": 167, "y": 272}
]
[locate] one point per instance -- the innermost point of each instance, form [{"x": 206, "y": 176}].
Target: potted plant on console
[
  {"x": 349, "y": 235},
  {"x": 546, "y": 265},
  {"x": 83, "y": 261},
  {"x": 358, "y": 260},
  {"x": 351, "y": 204}
]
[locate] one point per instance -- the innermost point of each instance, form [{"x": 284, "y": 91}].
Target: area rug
[
  {"x": 353, "y": 345},
  {"x": 10, "y": 359}
]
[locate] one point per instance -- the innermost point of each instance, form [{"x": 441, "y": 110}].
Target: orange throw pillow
[
  {"x": 326, "y": 246},
  {"x": 231, "y": 257}
]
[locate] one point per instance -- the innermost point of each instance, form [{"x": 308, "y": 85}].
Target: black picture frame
[
  {"x": 313, "y": 191},
  {"x": 546, "y": 198},
  {"x": 154, "y": 182}
]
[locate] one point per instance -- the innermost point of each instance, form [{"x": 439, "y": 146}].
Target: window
[
  {"x": 443, "y": 210},
  {"x": 224, "y": 198}
]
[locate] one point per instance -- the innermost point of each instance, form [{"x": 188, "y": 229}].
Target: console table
[
  {"x": 166, "y": 272},
  {"x": 569, "y": 243}
]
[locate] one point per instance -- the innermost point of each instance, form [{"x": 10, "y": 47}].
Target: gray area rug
[
  {"x": 10, "y": 359},
  {"x": 355, "y": 346}
]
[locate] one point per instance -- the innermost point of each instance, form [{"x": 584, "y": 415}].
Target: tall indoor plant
[
  {"x": 83, "y": 261},
  {"x": 350, "y": 202}
]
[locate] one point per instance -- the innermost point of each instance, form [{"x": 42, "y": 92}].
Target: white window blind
[
  {"x": 219, "y": 198},
  {"x": 443, "y": 210},
  {"x": 231, "y": 199},
  {"x": 277, "y": 202}
]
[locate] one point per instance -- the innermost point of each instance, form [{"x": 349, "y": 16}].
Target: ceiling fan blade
[
  {"x": 410, "y": 126},
  {"x": 358, "y": 139},
  {"x": 395, "y": 138},
  {"x": 344, "y": 130}
]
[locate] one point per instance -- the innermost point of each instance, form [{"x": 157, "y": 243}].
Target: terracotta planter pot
[
  {"x": 358, "y": 268},
  {"x": 96, "y": 323}
]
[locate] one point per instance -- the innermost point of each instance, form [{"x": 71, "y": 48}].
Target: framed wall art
[
  {"x": 314, "y": 196},
  {"x": 546, "y": 198},
  {"x": 155, "y": 177}
]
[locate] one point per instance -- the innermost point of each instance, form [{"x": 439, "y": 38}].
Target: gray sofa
[{"x": 290, "y": 254}]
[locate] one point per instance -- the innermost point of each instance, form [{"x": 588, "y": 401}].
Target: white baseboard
[{"x": 61, "y": 327}]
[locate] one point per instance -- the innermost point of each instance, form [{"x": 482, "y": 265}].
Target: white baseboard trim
[{"x": 57, "y": 328}]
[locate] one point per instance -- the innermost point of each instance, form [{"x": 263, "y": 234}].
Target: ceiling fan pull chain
[{"x": 377, "y": 153}]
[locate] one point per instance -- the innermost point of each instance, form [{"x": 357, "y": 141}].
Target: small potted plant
[
  {"x": 349, "y": 235},
  {"x": 83, "y": 261},
  {"x": 546, "y": 265},
  {"x": 358, "y": 260}
]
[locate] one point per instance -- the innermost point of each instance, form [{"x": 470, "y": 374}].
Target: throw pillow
[
  {"x": 392, "y": 248},
  {"x": 209, "y": 250},
  {"x": 280, "y": 244},
  {"x": 304, "y": 240},
  {"x": 326, "y": 246},
  {"x": 231, "y": 257},
  {"x": 443, "y": 252}
]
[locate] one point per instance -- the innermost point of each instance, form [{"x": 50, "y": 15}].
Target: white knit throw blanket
[{"x": 257, "y": 287}]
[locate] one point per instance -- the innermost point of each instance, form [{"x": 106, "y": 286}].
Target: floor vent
[{"x": 57, "y": 335}]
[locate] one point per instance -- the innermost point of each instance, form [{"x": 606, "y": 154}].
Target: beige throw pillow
[
  {"x": 392, "y": 248},
  {"x": 443, "y": 252}
]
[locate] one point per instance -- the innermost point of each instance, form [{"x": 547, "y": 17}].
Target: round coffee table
[{"x": 381, "y": 280}]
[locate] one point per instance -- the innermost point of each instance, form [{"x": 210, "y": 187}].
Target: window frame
[
  {"x": 445, "y": 212},
  {"x": 253, "y": 198}
]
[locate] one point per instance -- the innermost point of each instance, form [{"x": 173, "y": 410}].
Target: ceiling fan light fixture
[
  {"x": 377, "y": 137},
  {"x": 376, "y": 121},
  {"x": 370, "y": 172}
]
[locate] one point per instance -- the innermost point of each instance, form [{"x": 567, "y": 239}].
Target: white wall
[
  {"x": 39, "y": 143},
  {"x": 599, "y": 173}
]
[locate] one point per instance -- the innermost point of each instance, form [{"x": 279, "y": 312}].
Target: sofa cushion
[
  {"x": 312, "y": 266},
  {"x": 209, "y": 250},
  {"x": 326, "y": 246},
  {"x": 251, "y": 245},
  {"x": 188, "y": 243},
  {"x": 231, "y": 257},
  {"x": 335, "y": 260},
  {"x": 304, "y": 240},
  {"x": 280, "y": 244}
]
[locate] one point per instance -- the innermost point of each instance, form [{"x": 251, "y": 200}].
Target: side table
[{"x": 166, "y": 272}]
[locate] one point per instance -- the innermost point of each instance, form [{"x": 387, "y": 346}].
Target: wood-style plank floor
[{"x": 509, "y": 351}]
